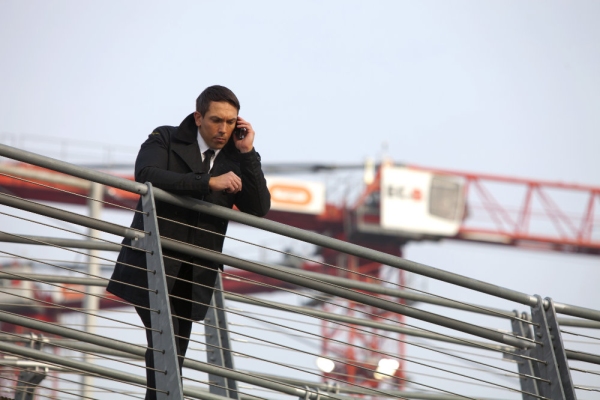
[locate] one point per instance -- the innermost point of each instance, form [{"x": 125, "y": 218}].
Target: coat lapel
[
  {"x": 186, "y": 145},
  {"x": 190, "y": 153}
]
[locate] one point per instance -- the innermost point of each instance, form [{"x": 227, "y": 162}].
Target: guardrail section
[{"x": 278, "y": 326}]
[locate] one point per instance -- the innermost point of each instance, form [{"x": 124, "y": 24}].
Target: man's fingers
[
  {"x": 234, "y": 183},
  {"x": 236, "y": 186}
]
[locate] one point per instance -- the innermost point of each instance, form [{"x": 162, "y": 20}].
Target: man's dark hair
[{"x": 215, "y": 93}]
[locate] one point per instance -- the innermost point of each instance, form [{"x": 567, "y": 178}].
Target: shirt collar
[{"x": 203, "y": 146}]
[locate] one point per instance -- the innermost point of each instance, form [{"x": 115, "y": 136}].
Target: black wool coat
[{"x": 170, "y": 159}]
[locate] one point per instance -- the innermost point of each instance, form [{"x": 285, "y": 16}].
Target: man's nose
[{"x": 223, "y": 127}]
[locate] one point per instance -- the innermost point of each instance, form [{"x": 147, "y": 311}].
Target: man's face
[{"x": 217, "y": 124}]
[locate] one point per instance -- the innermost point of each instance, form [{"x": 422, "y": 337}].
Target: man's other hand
[{"x": 229, "y": 182}]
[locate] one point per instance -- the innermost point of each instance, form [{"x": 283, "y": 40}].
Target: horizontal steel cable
[
  {"x": 585, "y": 371},
  {"x": 588, "y": 389},
  {"x": 63, "y": 261},
  {"x": 55, "y": 291},
  {"x": 95, "y": 356},
  {"x": 580, "y": 342},
  {"x": 307, "y": 339},
  {"x": 268, "y": 315},
  {"x": 78, "y": 309},
  {"x": 487, "y": 310},
  {"x": 269, "y": 346},
  {"x": 579, "y": 334},
  {"x": 103, "y": 326},
  {"x": 72, "y": 193}
]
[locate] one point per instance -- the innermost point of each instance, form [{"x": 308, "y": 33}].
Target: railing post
[
  {"x": 218, "y": 344},
  {"x": 92, "y": 302},
  {"x": 168, "y": 376},
  {"x": 527, "y": 367},
  {"x": 30, "y": 378},
  {"x": 555, "y": 368}
]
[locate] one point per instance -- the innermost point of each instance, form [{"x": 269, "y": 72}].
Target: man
[{"x": 201, "y": 158}]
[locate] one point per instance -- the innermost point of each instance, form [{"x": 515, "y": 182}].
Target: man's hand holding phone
[{"x": 243, "y": 135}]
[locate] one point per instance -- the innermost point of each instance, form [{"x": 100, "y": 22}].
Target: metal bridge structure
[{"x": 256, "y": 347}]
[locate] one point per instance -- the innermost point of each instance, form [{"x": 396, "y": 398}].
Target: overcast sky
[
  {"x": 510, "y": 88},
  {"x": 505, "y": 87}
]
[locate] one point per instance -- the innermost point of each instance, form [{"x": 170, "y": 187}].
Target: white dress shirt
[{"x": 203, "y": 147}]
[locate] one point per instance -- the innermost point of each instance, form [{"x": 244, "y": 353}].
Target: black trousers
[{"x": 181, "y": 311}]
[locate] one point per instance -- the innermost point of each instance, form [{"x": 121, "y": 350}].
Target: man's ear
[{"x": 198, "y": 118}]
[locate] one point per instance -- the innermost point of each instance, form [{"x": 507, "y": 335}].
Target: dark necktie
[{"x": 208, "y": 154}]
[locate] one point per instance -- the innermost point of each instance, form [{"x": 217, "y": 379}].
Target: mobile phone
[{"x": 239, "y": 133}]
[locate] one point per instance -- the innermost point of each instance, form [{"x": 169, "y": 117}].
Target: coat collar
[
  {"x": 187, "y": 130},
  {"x": 186, "y": 143}
]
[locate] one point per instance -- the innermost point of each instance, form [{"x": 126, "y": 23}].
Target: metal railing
[{"x": 458, "y": 349}]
